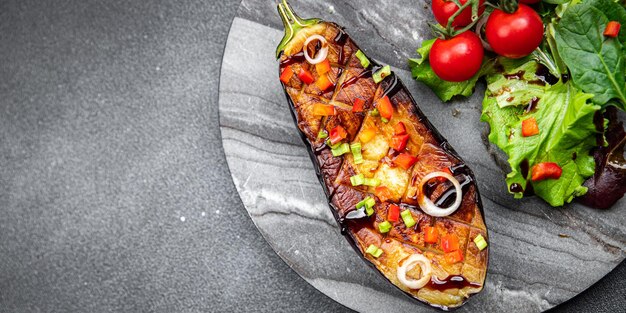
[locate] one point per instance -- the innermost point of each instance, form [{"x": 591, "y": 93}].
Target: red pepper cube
[
  {"x": 306, "y": 76},
  {"x": 323, "y": 83},
  {"x": 398, "y": 142},
  {"x": 358, "y": 105},
  {"x": 286, "y": 75},
  {"x": 383, "y": 193},
  {"x": 337, "y": 134},
  {"x": 449, "y": 243},
  {"x": 393, "y": 213},
  {"x": 530, "y": 127},
  {"x": 385, "y": 109},
  {"x": 430, "y": 234},
  {"x": 454, "y": 257},
  {"x": 612, "y": 29},
  {"x": 322, "y": 67},
  {"x": 399, "y": 129},
  {"x": 323, "y": 109},
  {"x": 546, "y": 170},
  {"x": 405, "y": 160}
]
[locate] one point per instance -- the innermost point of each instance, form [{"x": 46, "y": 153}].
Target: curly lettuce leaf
[
  {"x": 519, "y": 87},
  {"x": 445, "y": 90},
  {"x": 567, "y": 135},
  {"x": 596, "y": 62}
]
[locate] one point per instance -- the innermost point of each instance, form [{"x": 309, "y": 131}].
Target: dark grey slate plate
[{"x": 540, "y": 256}]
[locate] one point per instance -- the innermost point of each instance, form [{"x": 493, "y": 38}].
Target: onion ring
[
  {"x": 321, "y": 55},
  {"x": 428, "y": 206},
  {"x": 408, "y": 264}
]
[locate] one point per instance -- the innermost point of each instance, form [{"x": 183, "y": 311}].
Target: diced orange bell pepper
[
  {"x": 399, "y": 129},
  {"x": 404, "y": 160},
  {"x": 337, "y": 134},
  {"x": 384, "y": 107},
  {"x": 546, "y": 170},
  {"x": 323, "y": 83},
  {"x": 322, "y": 67},
  {"x": 286, "y": 75},
  {"x": 383, "y": 193},
  {"x": 398, "y": 142},
  {"x": 358, "y": 105},
  {"x": 430, "y": 234},
  {"x": 323, "y": 109},
  {"x": 449, "y": 243},
  {"x": 306, "y": 76},
  {"x": 612, "y": 29},
  {"x": 367, "y": 134},
  {"x": 530, "y": 127},
  {"x": 393, "y": 213},
  {"x": 454, "y": 257}
]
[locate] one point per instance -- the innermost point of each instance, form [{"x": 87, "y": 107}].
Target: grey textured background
[{"x": 109, "y": 155}]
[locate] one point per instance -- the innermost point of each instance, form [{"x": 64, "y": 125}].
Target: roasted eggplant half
[{"x": 402, "y": 196}]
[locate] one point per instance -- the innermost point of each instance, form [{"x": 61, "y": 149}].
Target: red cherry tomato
[
  {"x": 514, "y": 35},
  {"x": 529, "y": 1},
  {"x": 443, "y": 9},
  {"x": 458, "y": 58}
]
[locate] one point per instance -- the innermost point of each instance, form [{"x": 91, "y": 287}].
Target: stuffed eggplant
[{"x": 402, "y": 196}]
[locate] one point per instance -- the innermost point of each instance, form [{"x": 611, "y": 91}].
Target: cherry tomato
[
  {"x": 514, "y": 35},
  {"x": 529, "y": 1},
  {"x": 443, "y": 9},
  {"x": 458, "y": 58}
]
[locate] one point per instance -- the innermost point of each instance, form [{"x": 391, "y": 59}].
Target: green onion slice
[
  {"x": 374, "y": 112},
  {"x": 384, "y": 227},
  {"x": 480, "y": 242},
  {"x": 356, "y": 152},
  {"x": 341, "y": 149},
  {"x": 322, "y": 134},
  {"x": 381, "y": 74},
  {"x": 407, "y": 218},
  {"x": 365, "y": 62},
  {"x": 374, "y": 251}
]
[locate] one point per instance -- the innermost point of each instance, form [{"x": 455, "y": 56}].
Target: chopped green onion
[
  {"x": 365, "y": 62},
  {"x": 374, "y": 112},
  {"x": 372, "y": 182},
  {"x": 384, "y": 227},
  {"x": 407, "y": 218},
  {"x": 369, "y": 202},
  {"x": 357, "y": 180},
  {"x": 369, "y": 211},
  {"x": 356, "y": 152},
  {"x": 335, "y": 146},
  {"x": 341, "y": 149},
  {"x": 384, "y": 120},
  {"x": 381, "y": 74},
  {"x": 322, "y": 134},
  {"x": 374, "y": 251},
  {"x": 480, "y": 242}
]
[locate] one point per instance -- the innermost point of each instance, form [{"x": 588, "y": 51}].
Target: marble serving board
[{"x": 540, "y": 256}]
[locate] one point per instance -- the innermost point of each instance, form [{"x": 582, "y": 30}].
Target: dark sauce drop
[
  {"x": 451, "y": 282},
  {"x": 532, "y": 105},
  {"x": 393, "y": 87},
  {"x": 515, "y": 187},
  {"x": 543, "y": 73},
  {"x": 340, "y": 40},
  {"x": 518, "y": 75},
  {"x": 447, "y": 198},
  {"x": 295, "y": 58},
  {"x": 524, "y": 168},
  {"x": 354, "y": 79}
]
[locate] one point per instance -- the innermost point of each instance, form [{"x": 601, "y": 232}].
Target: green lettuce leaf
[
  {"x": 518, "y": 88},
  {"x": 596, "y": 62},
  {"x": 445, "y": 90},
  {"x": 567, "y": 135}
]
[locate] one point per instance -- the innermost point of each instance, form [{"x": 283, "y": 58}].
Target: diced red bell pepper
[
  {"x": 399, "y": 129},
  {"x": 384, "y": 107},
  {"x": 430, "y": 234},
  {"x": 530, "y": 127},
  {"x": 443, "y": 179},
  {"x": 453, "y": 257},
  {"x": 398, "y": 142},
  {"x": 322, "y": 67},
  {"x": 546, "y": 170},
  {"x": 286, "y": 75},
  {"x": 337, "y": 134},
  {"x": 612, "y": 29},
  {"x": 383, "y": 193},
  {"x": 449, "y": 243},
  {"x": 393, "y": 213},
  {"x": 367, "y": 134},
  {"x": 323, "y": 109},
  {"x": 323, "y": 83},
  {"x": 358, "y": 105},
  {"x": 306, "y": 76},
  {"x": 404, "y": 160}
]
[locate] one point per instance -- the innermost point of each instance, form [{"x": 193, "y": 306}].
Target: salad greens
[{"x": 539, "y": 87}]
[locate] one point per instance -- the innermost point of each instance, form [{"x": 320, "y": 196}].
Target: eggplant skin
[{"x": 452, "y": 283}]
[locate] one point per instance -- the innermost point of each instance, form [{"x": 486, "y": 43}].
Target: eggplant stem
[{"x": 292, "y": 23}]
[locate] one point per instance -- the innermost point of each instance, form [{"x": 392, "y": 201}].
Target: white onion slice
[
  {"x": 321, "y": 55},
  {"x": 408, "y": 264},
  {"x": 428, "y": 206}
]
